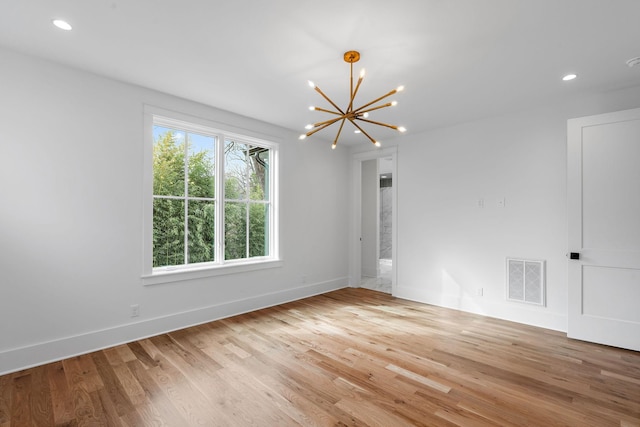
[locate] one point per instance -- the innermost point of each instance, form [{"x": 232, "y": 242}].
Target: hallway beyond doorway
[{"x": 382, "y": 283}]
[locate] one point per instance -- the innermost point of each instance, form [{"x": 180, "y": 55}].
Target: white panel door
[{"x": 604, "y": 228}]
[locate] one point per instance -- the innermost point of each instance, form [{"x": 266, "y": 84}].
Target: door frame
[{"x": 355, "y": 258}]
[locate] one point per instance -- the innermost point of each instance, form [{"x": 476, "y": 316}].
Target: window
[{"x": 213, "y": 201}]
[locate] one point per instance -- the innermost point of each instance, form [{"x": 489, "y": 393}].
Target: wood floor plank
[
  {"x": 125, "y": 378},
  {"x": 20, "y": 401},
  {"x": 352, "y": 357},
  {"x": 106, "y": 411},
  {"x": 112, "y": 384},
  {"x": 62, "y": 404},
  {"x": 41, "y": 404},
  {"x": 84, "y": 412},
  {"x": 371, "y": 414},
  {"x": 6, "y": 389},
  {"x": 191, "y": 403},
  {"x": 159, "y": 409}
]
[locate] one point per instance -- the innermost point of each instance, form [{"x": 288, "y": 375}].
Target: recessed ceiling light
[
  {"x": 569, "y": 77},
  {"x": 63, "y": 25}
]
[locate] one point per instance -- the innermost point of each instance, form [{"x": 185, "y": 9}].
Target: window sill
[{"x": 179, "y": 275}]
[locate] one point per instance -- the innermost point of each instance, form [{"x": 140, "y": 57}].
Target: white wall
[
  {"x": 449, "y": 247},
  {"x": 71, "y": 218}
]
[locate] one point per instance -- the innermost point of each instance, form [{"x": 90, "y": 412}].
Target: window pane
[
  {"x": 258, "y": 229},
  {"x": 201, "y": 165},
  {"x": 259, "y": 176},
  {"x": 168, "y": 162},
  {"x": 168, "y": 232},
  {"x": 201, "y": 227},
  {"x": 235, "y": 170},
  {"x": 235, "y": 230}
]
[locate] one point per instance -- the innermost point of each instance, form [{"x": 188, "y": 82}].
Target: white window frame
[{"x": 150, "y": 275}]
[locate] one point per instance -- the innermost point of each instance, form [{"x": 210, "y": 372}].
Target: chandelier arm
[
  {"x": 360, "y": 112},
  {"x": 335, "y": 141},
  {"x": 327, "y": 98},
  {"x": 376, "y": 143},
  {"x": 327, "y": 111},
  {"x": 375, "y": 100},
  {"x": 321, "y": 127},
  {"x": 379, "y": 123},
  {"x": 328, "y": 122}
]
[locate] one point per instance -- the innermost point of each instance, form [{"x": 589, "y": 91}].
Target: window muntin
[{"x": 207, "y": 212}]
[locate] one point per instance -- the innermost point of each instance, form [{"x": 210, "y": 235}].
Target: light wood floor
[{"x": 350, "y": 357}]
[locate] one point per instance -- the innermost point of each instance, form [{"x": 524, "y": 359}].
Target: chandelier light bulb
[
  {"x": 394, "y": 103},
  {"x": 309, "y": 126},
  {"x": 377, "y": 144},
  {"x": 365, "y": 115},
  {"x": 303, "y": 136},
  {"x": 311, "y": 84},
  {"x": 402, "y": 129},
  {"x": 312, "y": 108},
  {"x": 63, "y": 25},
  {"x": 333, "y": 146},
  {"x": 362, "y": 73}
]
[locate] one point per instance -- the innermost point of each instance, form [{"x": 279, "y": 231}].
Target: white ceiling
[{"x": 459, "y": 60}]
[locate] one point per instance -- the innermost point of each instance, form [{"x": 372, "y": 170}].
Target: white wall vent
[{"x": 525, "y": 281}]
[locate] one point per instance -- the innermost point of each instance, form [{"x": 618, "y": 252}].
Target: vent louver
[{"x": 525, "y": 281}]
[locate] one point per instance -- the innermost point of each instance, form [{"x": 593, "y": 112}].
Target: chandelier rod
[
  {"x": 376, "y": 143},
  {"x": 325, "y": 111},
  {"x": 325, "y": 97},
  {"x": 335, "y": 141},
  {"x": 330, "y": 121},
  {"x": 398, "y": 89},
  {"x": 379, "y": 123},
  {"x": 322, "y": 127}
]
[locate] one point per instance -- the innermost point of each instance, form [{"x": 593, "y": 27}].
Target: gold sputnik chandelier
[{"x": 351, "y": 114}]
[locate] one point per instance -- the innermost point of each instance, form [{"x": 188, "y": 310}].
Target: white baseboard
[
  {"x": 514, "y": 312},
  {"x": 45, "y": 352}
]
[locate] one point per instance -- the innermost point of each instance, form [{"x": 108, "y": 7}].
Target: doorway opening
[
  {"x": 370, "y": 263},
  {"x": 376, "y": 201}
]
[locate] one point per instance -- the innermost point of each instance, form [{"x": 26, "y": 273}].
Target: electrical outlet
[
  {"x": 479, "y": 292},
  {"x": 481, "y": 202},
  {"x": 135, "y": 310},
  {"x": 304, "y": 279}
]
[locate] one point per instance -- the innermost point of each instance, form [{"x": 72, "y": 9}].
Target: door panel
[
  {"x": 604, "y": 226},
  {"x": 610, "y": 172},
  {"x": 611, "y": 293}
]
